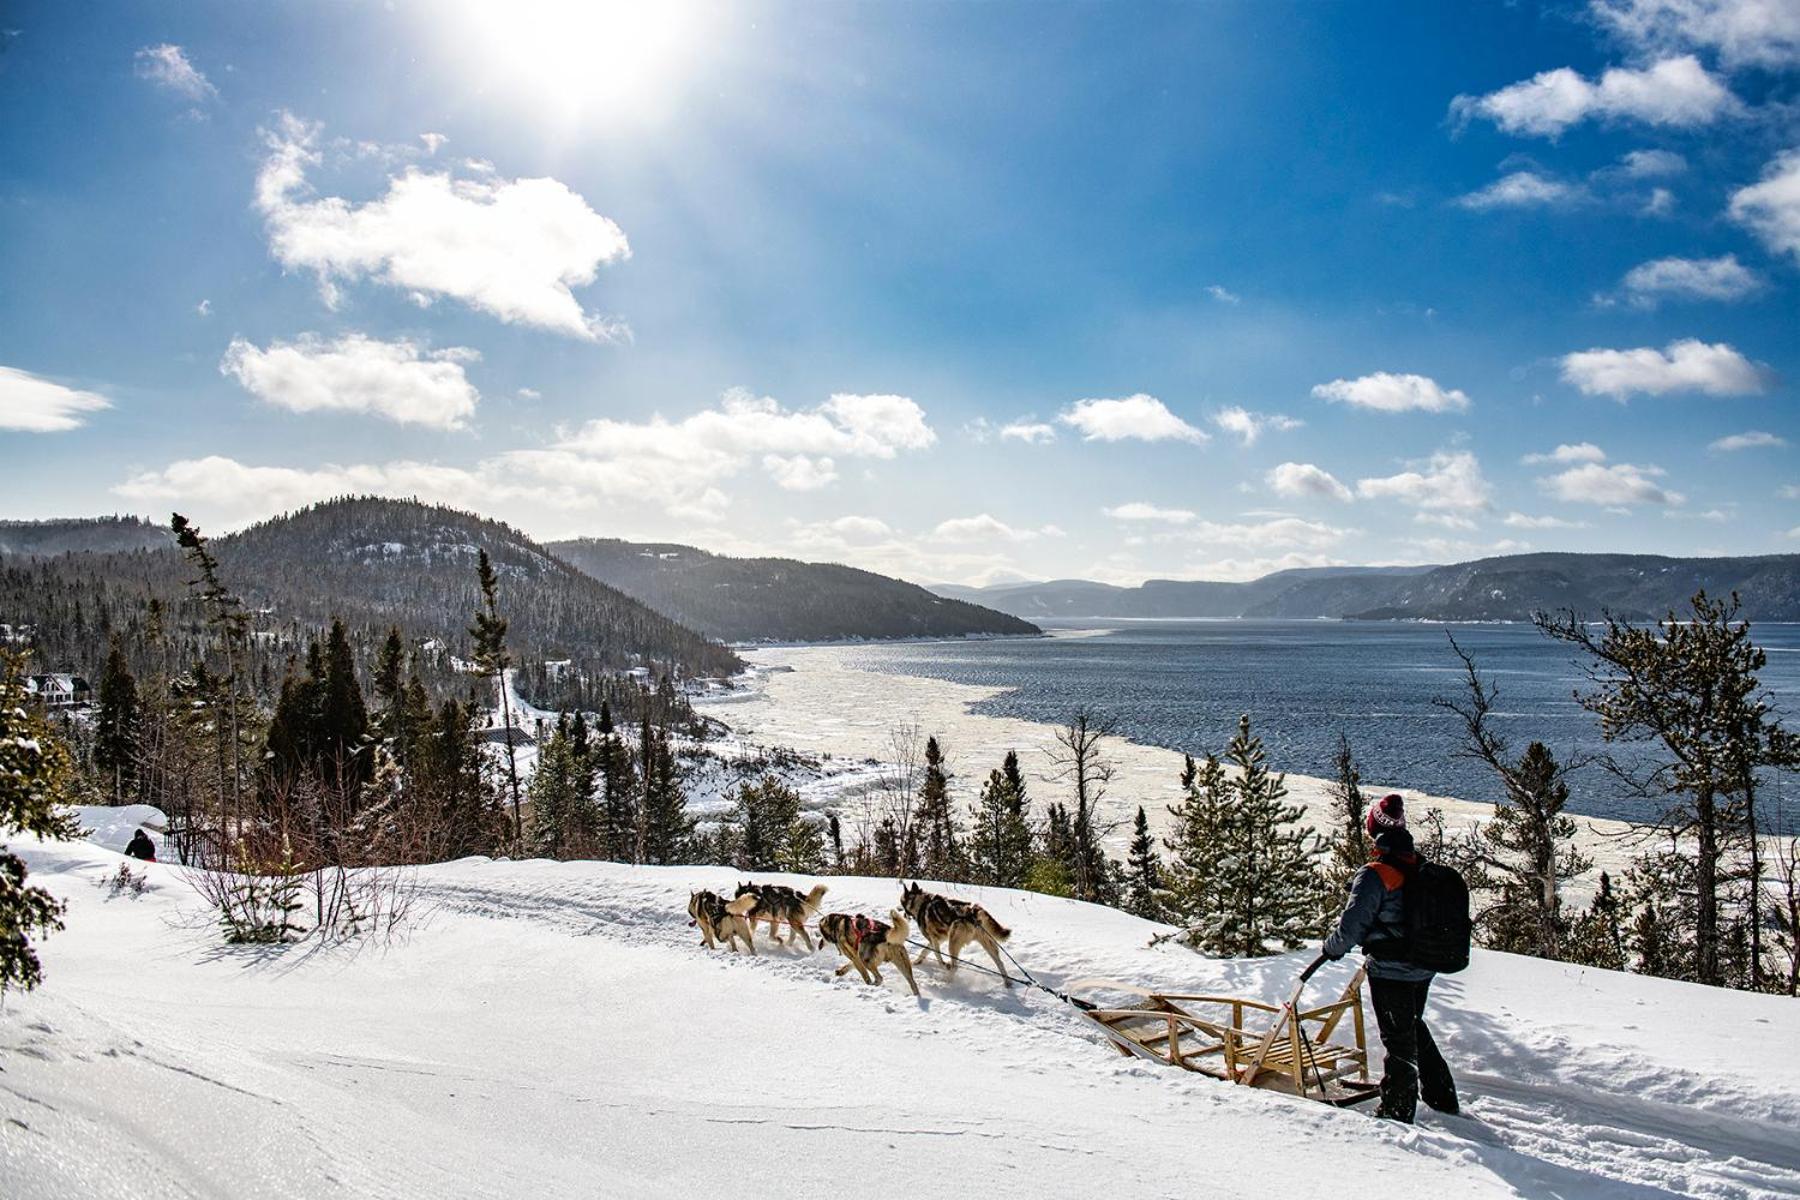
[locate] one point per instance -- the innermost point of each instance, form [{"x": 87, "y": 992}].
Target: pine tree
[
  {"x": 1526, "y": 853},
  {"x": 1194, "y": 892},
  {"x": 1143, "y": 872},
  {"x": 940, "y": 846},
  {"x": 1597, "y": 938},
  {"x": 618, "y": 793},
  {"x": 1348, "y": 848},
  {"x": 1000, "y": 835},
  {"x": 1689, "y": 687},
  {"x": 343, "y": 718},
  {"x": 36, "y": 775},
  {"x": 668, "y": 827},
  {"x": 116, "y": 723},
  {"x": 555, "y": 792},
  {"x": 1266, "y": 875},
  {"x": 492, "y": 661}
]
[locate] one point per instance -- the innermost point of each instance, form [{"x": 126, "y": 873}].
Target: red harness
[{"x": 862, "y": 928}]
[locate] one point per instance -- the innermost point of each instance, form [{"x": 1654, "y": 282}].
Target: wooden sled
[{"x": 1290, "y": 1049}]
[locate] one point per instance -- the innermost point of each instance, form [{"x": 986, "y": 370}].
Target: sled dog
[
  {"x": 868, "y": 943},
  {"x": 957, "y": 922},
  {"x": 780, "y": 905},
  {"x": 721, "y": 920}
]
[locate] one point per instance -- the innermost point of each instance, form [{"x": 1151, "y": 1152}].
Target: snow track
[{"x": 556, "y": 1029}]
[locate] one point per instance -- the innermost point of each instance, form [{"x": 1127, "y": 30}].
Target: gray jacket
[{"x": 1375, "y": 913}]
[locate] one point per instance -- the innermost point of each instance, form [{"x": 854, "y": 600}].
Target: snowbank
[{"x": 556, "y": 1030}]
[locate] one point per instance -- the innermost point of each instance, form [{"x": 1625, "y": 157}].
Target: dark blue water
[{"x": 1183, "y": 684}]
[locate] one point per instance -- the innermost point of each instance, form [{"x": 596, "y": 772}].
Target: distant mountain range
[
  {"x": 778, "y": 599},
  {"x": 98, "y": 535},
  {"x": 1510, "y": 588}
]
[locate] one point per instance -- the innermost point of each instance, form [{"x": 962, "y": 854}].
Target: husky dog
[
  {"x": 780, "y": 905},
  {"x": 867, "y": 943},
  {"x": 723, "y": 920},
  {"x": 942, "y": 919}
]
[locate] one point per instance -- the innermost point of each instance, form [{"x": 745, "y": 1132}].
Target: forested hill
[
  {"x": 76, "y": 535},
  {"x": 1510, "y": 588},
  {"x": 375, "y": 563},
  {"x": 778, "y": 599}
]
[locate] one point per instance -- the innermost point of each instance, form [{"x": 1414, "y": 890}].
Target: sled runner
[{"x": 1278, "y": 1046}]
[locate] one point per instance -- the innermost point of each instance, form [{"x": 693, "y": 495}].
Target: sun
[{"x": 587, "y": 61}]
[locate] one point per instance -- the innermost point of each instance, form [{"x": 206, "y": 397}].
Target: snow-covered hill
[{"x": 556, "y": 1030}]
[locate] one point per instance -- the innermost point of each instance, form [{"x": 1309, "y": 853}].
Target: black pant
[{"x": 1413, "y": 1062}]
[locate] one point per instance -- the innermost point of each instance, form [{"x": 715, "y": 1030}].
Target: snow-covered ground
[{"x": 556, "y": 1030}]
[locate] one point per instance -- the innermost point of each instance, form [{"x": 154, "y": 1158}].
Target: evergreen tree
[
  {"x": 1194, "y": 892},
  {"x": 1525, "y": 855},
  {"x": 668, "y": 827},
  {"x": 1000, "y": 842},
  {"x": 116, "y": 722},
  {"x": 940, "y": 846},
  {"x": 555, "y": 792},
  {"x": 1267, "y": 883},
  {"x": 492, "y": 661},
  {"x": 618, "y": 793},
  {"x": 1348, "y": 848},
  {"x": 36, "y": 775},
  {"x": 1689, "y": 686},
  {"x": 343, "y": 718},
  {"x": 1143, "y": 873},
  {"x": 390, "y": 672},
  {"x": 1597, "y": 938}
]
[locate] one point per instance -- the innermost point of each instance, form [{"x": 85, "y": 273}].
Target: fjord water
[{"x": 1183, "y": 684}]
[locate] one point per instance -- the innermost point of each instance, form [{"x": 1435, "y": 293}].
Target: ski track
[{"x": 1563, "y": 1095}]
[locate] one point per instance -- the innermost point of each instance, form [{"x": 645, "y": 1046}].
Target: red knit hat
[{"x": 1389, "y": 812}]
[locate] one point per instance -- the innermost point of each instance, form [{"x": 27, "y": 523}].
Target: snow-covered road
[{"x": 556, "y": 1030}]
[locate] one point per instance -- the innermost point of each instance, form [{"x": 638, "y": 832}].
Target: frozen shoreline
[{"x": 815, "y": 700}]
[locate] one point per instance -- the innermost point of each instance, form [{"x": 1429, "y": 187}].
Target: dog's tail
[
  {"x": 811, "y": 901},
  {"x": 741, "y": 906},
  {"x": 899, "y": 930},
  {"x": 995, "y": 929}
]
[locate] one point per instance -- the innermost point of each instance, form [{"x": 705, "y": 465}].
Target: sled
[{"x": 1282, "y": 1047}]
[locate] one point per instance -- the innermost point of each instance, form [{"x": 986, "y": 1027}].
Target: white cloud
[
  {"x": 1518, "y": 520},
  {"x": 1744, "y": 33},
  {"x": 1249, "y": 426},
  {"x": 168, "y": 66},
  {"x": 510, "y": 248},
  {"x": 1522, "y": 189},
  {"x": 1304, "y": 479},
  {"x": 1447, "y": 480},
  {"x": 204, "y": 308},
  {"x": 1619, "y": 485},
  {"x": 1771, "y": 209},
  {"x": 682, "y": 465},
  {"x": 1139, "y": 511},
  {"x": 1444, "y": 520},
  {"x": 1752, "y": 440},
  {"x": 1721, "y": 278},
  {"x": 1438, "y": 549},
  {"x": 800, "y": 473},
  {"x": 987, "y": 528},
  {"x": 859, "y": 528},
  {"x": 1275, "y": 533},
  {"x": 1676, "y": 92},
  {"x": 1386, "y": 392},
  {"x": 232, "y": 493},
  {"x": 1652, "y": 164},
  {"x": 1139, "y": 417},
  {"x": 1569, "y": 452},
  {"x": 433, "y": 142},
  {"x": 1689, "y": 365},
  {"x": 397, "y": 380},
  {"x": 32, "y": 404},
  {"x": 1032, "y": 433},
  {"x": 1660, "y": 203},
  {"x": 526, "y": 393},
  {"x": 1218, "y": 292}
]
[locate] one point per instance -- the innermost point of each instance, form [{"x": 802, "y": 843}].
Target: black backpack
[{"x": 1438, "y": 926}]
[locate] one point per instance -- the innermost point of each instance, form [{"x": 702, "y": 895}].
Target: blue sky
[{"x": 955, "y": 291}]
